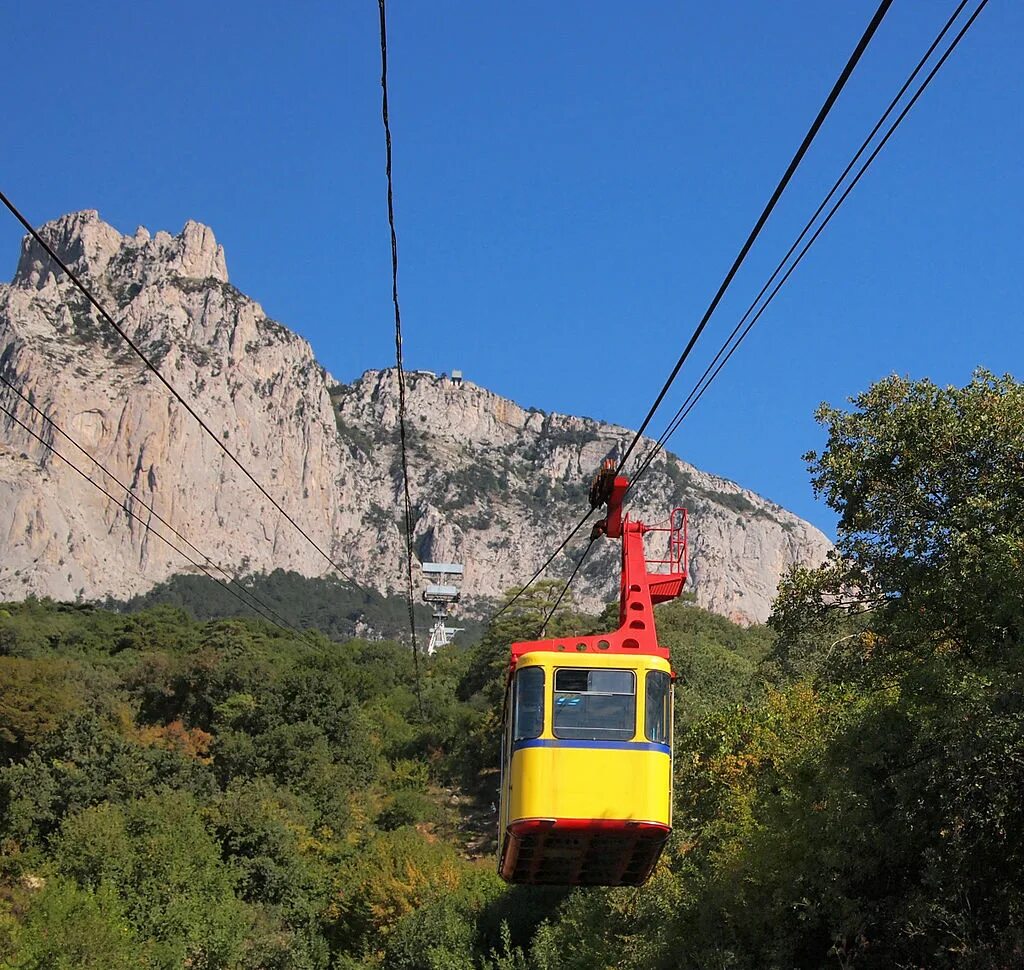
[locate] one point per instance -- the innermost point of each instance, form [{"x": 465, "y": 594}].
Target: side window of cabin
[
  {"x": 595, "y": 705},
  {"x": 658, "y": 716},
  {"x": 529, "y": 703}
]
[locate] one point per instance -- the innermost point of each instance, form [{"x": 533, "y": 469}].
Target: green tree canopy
[{"x": 928, "y": 482}]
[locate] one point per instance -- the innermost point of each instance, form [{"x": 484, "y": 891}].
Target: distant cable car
[{"x": 586, "y": 771}]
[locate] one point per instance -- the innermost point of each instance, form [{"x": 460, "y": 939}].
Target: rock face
[{"x": 494, "y": 486}]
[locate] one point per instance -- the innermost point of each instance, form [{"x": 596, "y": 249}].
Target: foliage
[
  {"x": 71, "y": 928},
  {"x": 329, "y": 605},
  {"x": 887, "y": 837},
  {"x": 398, "y": 873},
  {"x": 849, "y": 780},
  {"x": 926, "y": 481},
  {"x": 34, "y": 698},
  {"x": 716, "y": 661},
  {"x": 164, "y": 865}
]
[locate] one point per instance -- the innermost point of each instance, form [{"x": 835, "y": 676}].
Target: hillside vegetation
[
  {"x": 849, "y": 780},
  {"x": 335, "y": 607},
  {"x": 217, "y": 794}
]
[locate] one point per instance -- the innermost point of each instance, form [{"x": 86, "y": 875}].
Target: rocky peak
[
  {"x": 93, "y": 248},
  {"x": 80, "y": 239}
]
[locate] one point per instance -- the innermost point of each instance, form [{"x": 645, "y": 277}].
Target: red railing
[{"x": 678, "y": 542}]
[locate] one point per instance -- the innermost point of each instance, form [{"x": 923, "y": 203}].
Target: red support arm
[{"x": 639, "y": 591}]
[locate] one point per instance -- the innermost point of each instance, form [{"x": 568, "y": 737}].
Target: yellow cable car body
[{"x": 586, "y": 773}]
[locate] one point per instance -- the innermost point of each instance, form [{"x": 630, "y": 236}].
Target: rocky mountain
[{"x": 494, "y": 485}]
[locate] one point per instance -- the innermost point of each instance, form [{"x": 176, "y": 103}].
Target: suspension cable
[
  {"x": 762, "y": 219},
  {"x": 149, "y": 508},
  {"x": 163, "y": 380},
  {"x": 705, "y": 381},
  {"x": 568, "y": 583},
  {"x": 407, "y": 510},
  {"x": 652, "y": 454},
  {"x": 741, "y": 256},
  {"x": 146, "y": 525},
  {"x": 547, "y": 562}
]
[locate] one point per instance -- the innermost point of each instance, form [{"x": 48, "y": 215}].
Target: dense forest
[
  {"x": 337, "y": 608},
  {"x": 178, "y": 792}
]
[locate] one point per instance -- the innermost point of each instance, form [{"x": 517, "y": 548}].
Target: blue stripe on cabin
[{"x": 602, "y": 745}]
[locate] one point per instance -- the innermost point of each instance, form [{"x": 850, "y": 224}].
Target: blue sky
[{"x": 572, "y": 181}]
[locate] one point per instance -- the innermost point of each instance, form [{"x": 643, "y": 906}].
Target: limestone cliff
[{"x": 493, "y": 484}]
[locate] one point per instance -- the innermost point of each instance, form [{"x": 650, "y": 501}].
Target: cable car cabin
[{"x": 586, "y": 773}]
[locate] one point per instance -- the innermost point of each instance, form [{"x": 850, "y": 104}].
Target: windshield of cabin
[{"x": 595, "y": 705}]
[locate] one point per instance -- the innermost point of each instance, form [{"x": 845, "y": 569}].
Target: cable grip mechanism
[{"x": 608, "y": 489}]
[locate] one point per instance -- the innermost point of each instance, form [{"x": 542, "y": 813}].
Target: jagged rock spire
[{"x": 89, "y": 245}]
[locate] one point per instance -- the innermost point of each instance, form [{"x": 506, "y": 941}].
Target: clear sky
[{"x": 572, "y": 181}]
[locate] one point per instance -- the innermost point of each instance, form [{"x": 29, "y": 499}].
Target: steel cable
[
  {"x": 398, "y": 352},
  {"x": 547, "y": 562},
  {"x": 149, "y": 508},
  {"x": 705, "y": 381},
  {"x": 762, "y": 219},
  {"x": 147, "y": 526},
  {"x": 568, "y": 583}
]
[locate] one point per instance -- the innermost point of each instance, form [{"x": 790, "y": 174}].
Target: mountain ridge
[{"x": 494, "y": 484}]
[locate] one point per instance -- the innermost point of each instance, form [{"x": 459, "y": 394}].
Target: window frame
[{"x": 597, "y": 693}]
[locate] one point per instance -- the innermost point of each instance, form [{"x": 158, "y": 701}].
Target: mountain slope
[{"x": 494, "y": 485}]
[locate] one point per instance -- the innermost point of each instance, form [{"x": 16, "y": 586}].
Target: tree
[
  {"x": 168, "y": 871},
  {"x": 920, "y": 611},
  {"x": 35, "y": 696},
  {"x": 69, "y": 928},
  {"x": 928, "y": 482},
  {"x": 395, "y": 874}
]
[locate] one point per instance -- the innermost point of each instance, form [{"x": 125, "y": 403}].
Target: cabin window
[
  {"x": 529, "y": 704},
  {"x": 658, "y": 718},
  {"x": 595, "y": 705}
]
